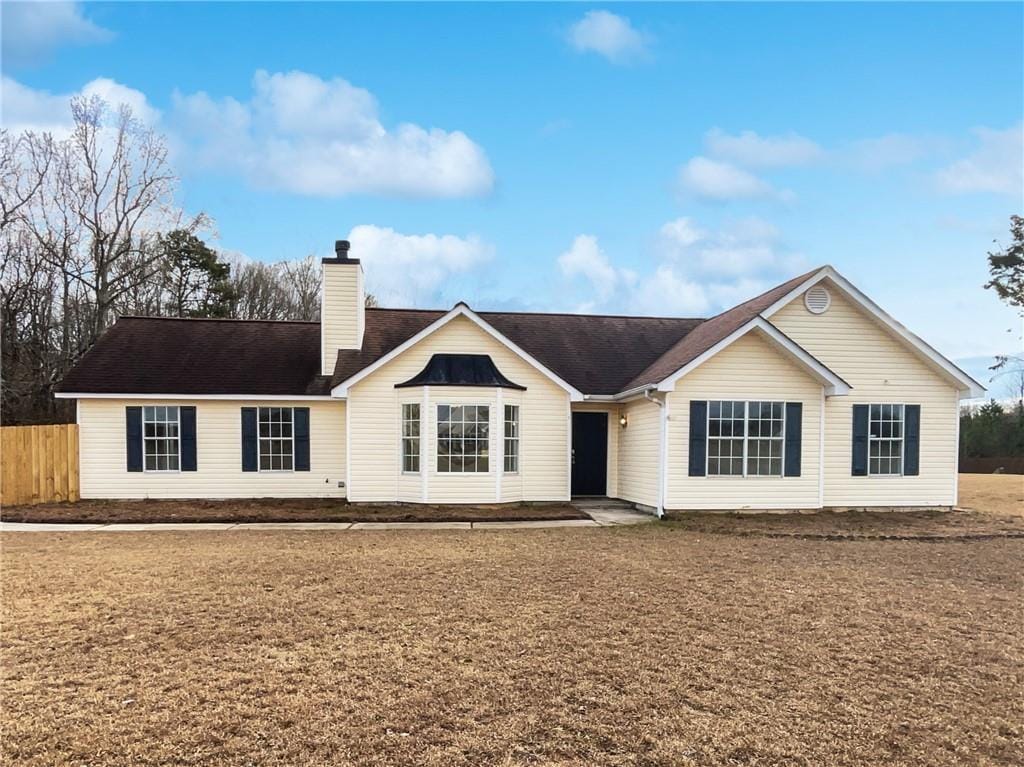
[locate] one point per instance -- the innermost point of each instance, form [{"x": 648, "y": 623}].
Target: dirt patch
[
  {"x": 648, "y": 646},
  {"x": 882, "y": 525},
  {"x": 278, "y": 510},
  {"x": 990, "y": 506}
]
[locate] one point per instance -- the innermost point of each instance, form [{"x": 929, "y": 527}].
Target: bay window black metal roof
[{"x": 460, "y": 370}]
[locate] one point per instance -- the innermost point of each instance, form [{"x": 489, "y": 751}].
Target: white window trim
[
  {"x": 437, "y": 432},
  {"x": 746, "y": 429},
  {"x": 401, "y": 438},
  {"x": 519, "y": 429},
  {"x": 178, "y": 440},
  {"x": 903, "y": 440},
  {"x": 259, "y": 439}
]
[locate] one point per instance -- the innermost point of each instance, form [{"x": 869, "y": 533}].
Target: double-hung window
[
  {"x": 885, "y": 440},
  {"x": 161, "y": 430},
  {"x": 411, "y": 438},
  {"x": 745, "y": 438},
  {"x": 463, "y": 439},
  {"x": 276, "y": 438},
  {"x": 511, "y": 439}
]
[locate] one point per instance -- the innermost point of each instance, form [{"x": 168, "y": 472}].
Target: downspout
[{"x": 662, "y": 448}]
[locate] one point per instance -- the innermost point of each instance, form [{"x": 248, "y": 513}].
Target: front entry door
[{"x": 589, "y": 453}]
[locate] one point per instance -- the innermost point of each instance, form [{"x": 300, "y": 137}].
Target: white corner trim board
[
  {"x": 459, "y": 310},
  {"x": 834, "y": 385},
  {"x": 965, "y": 384}
]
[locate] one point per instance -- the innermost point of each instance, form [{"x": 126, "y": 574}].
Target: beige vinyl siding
[
  {"x": 614, "y": 428},
  {"x": 342, "y": 312},
  {"x": 749, "y": 369},
  {"x": 881, "y": 369},
  {"x": 375, "y": 473},
  {"x": 638, "y": 453},
  {"x": 104, "y": 474}
]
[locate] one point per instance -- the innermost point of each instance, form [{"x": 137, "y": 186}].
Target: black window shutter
[
  {"x": 794, "y": 433},
  {"x": 187, "y": 414},
  {"x": 301, "y": 424},
  {"x": 860, "y": 441},
  {"x": 133, "y": 437},
  {"x": 698, "y": 437},
  {"x": 911, "y": 439},
  {"x": 249, "y": 442}
]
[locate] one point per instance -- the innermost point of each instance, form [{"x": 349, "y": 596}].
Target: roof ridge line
[
  {"x": 541, "y": 314},
  {"x": 214, "y": 319}
]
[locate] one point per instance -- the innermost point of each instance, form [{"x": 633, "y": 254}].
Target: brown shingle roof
[
  {"x": 594, "y": 353},
  {"x": 711, "y": 332},
  {"x": 597, "y": 354},
  {"x": 151, "y": 355}
]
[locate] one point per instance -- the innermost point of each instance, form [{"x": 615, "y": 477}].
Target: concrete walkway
[{"x": 611, "y": 511}]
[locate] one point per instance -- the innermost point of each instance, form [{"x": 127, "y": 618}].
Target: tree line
[{"x": 89, "y": 230}]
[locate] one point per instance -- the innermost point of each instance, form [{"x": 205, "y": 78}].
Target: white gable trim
[
  {"x": 833, "y": 384},
  {"x": 964, "y": 383},
  {"x": 460, "y": 310}
]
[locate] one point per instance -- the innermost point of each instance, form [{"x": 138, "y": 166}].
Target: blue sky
[{"x": 659, "y": 159}]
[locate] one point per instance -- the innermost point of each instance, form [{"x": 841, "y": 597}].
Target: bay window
[{"x": 463, "y": 439}]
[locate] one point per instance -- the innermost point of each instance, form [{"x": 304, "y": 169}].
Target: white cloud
[
  {"x": 32, "y": 30},
  {"x": 748, "y": 149},
  {"x": 412, "y": 269},
  {"x": 996, "y": 165},
  {"x": 720, "y": 182},
  {"x": 25, "y": 108},
  {"x": 680, "y": 233},
  {"x": 302, "y": 134},
  {"x": 698, "y": 271},
  {"x": 746, "y": 249},
  {"x": 585, "y": 259},
  {"x": 609, "y": 35},
  {"x": 669, "y": 293}
]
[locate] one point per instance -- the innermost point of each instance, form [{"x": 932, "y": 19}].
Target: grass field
[
  {"x": 1000, "y": 494},
  {"x": 652, "y": 645}
]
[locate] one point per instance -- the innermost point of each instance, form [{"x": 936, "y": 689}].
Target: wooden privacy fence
[{"x": 39, "y": 463}]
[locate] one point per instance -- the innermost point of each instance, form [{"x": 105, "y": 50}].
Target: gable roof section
[
  {"x": 708, "y": 334},
  {"x": 937, "y": 361},
  {"x": 153, "y": 355},
  {"x": 459, "y": 310},
  {"x": 834, "y": 385},
  {"x": 597, "y": 354}
]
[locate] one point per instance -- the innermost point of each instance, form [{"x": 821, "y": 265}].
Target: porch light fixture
[{"x": 623, "y": 421}]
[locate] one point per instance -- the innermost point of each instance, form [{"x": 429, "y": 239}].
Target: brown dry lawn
[
  {"x": 651, "y": 645},
  {"x": 278, "y": 510},
  {"x": 1001, "y": 494}
]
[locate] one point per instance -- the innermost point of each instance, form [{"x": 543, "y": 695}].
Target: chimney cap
[{"x": 341, "y": 248}]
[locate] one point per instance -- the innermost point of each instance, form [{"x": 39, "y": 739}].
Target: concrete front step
[{"x": 611, "y": 511}]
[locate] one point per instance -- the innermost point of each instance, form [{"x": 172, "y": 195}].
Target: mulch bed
[{"x": 277, "y": 510}]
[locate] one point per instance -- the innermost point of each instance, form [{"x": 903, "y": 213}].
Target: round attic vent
[{"x": 817, "y": 300}]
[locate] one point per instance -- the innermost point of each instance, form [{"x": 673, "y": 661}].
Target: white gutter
[{"x": 662, "y": 449}]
